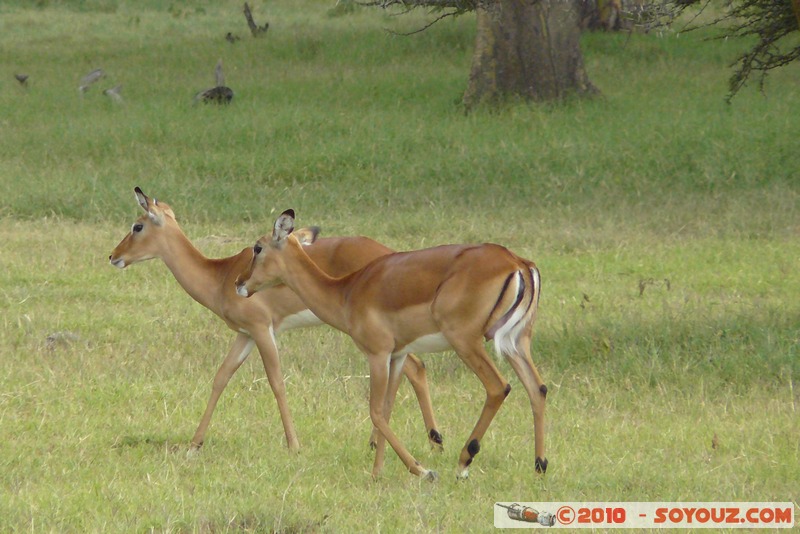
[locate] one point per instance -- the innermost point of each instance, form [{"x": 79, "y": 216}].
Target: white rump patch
[
  {"x": 428, "y": 343},
  {"x": 505, "y": 339}
]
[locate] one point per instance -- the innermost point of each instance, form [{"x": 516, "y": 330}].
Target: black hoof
[
  {"x": 436, "y": 438},
  {"x": 541, "y": 465}
]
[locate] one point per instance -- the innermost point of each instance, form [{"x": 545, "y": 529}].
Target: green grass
[{"x": 105, "y": 374}]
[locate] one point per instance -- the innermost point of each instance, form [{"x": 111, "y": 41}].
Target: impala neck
[
  {"x": 323, "y": 294},
  {"x": 193, "y": 271}
]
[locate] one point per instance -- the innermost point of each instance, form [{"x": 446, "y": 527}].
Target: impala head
[
  {"x": 265, "y": 268},
  {"x": 141, "y": 243}
]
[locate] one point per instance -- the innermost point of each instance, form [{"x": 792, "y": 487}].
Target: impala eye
[
  {"x": 138, "y": 227},
  {"x": 257, "y": 249}
]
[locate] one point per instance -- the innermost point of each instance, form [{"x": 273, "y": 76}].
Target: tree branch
[
  {"x": 459, "y": 5},
  {"x": 769, "y": 21},
  {"x": 451, "y": 8},
  {"x": 434, "y": 21},
  {"x": 255, "y": 29}
]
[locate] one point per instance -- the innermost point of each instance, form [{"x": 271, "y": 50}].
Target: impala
[
  {"x": 256, "y": 321},
  {"x": 447, "y": 297}
]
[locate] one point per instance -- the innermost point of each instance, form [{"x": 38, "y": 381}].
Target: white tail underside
[{"x": 507, "y": 336}]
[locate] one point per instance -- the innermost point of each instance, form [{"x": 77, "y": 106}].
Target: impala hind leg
[
  {"x": 379, "y": 370},
  {"x": 237, "y": 354},
  {"x": 414, "y": 370},
  {"x": 272, "y": 366},
  {"x": 497, "y": 389},
  {"x": 537, "y": 393}
]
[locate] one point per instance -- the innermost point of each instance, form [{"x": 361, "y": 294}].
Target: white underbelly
[
  {"x": 429, "y": 343},
  {"x": 302, "y": 319}
]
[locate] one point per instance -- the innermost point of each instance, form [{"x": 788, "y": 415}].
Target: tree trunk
[
  {"x": 528, "y": 49},
  {"x": 603, "y": 14}
]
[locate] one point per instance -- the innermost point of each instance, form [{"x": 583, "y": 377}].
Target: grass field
[{"x": 666, "y": 225}]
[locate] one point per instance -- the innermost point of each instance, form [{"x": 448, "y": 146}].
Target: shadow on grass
[
  {"x": 259, "y": 523},
  {"x": 172, "y": 445}
]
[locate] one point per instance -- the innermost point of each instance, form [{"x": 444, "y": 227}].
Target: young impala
[
  {"x": 448, "y": 297},
  {"x": 210, "y": 282}
]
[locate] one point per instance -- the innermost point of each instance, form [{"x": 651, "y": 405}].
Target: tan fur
[
  {"x": 211, "y": 283},
  {"x": 458, "y": 291}
]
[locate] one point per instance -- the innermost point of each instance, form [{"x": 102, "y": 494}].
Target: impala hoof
[
  {"x": 541, "y": 465},
  {"x": 430, "y": 476},
  {"x": 436, "y": 440}
]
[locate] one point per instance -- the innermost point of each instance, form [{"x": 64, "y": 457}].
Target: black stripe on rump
[{"x": 520, "y": 294}]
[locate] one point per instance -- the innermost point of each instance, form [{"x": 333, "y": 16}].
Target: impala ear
[
  {"x": 308, "y": 235},
  {"x": 141, "y": 198},
  {"x": 147, "y": 205},
  {"x": 284, "y": 225}
]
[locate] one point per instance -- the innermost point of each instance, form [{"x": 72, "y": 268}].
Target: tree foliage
[{"x": 773, "y": 24}]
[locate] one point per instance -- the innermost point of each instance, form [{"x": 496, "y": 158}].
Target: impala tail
[{"x": 515, "y": 324}]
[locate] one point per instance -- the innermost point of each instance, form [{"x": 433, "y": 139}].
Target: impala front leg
[
  {"x": 396, "y": 366},
  {"x": 414, "y": 370},
  {"x": 378, "y": 385},
  {"x": 272, "y": 366},
  {"x": 237, "y": 354}
]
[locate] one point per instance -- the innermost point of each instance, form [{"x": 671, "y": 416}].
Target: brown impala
[
  {"x": 210, "y": 282},
  {"x": 448, "y": 297}
]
